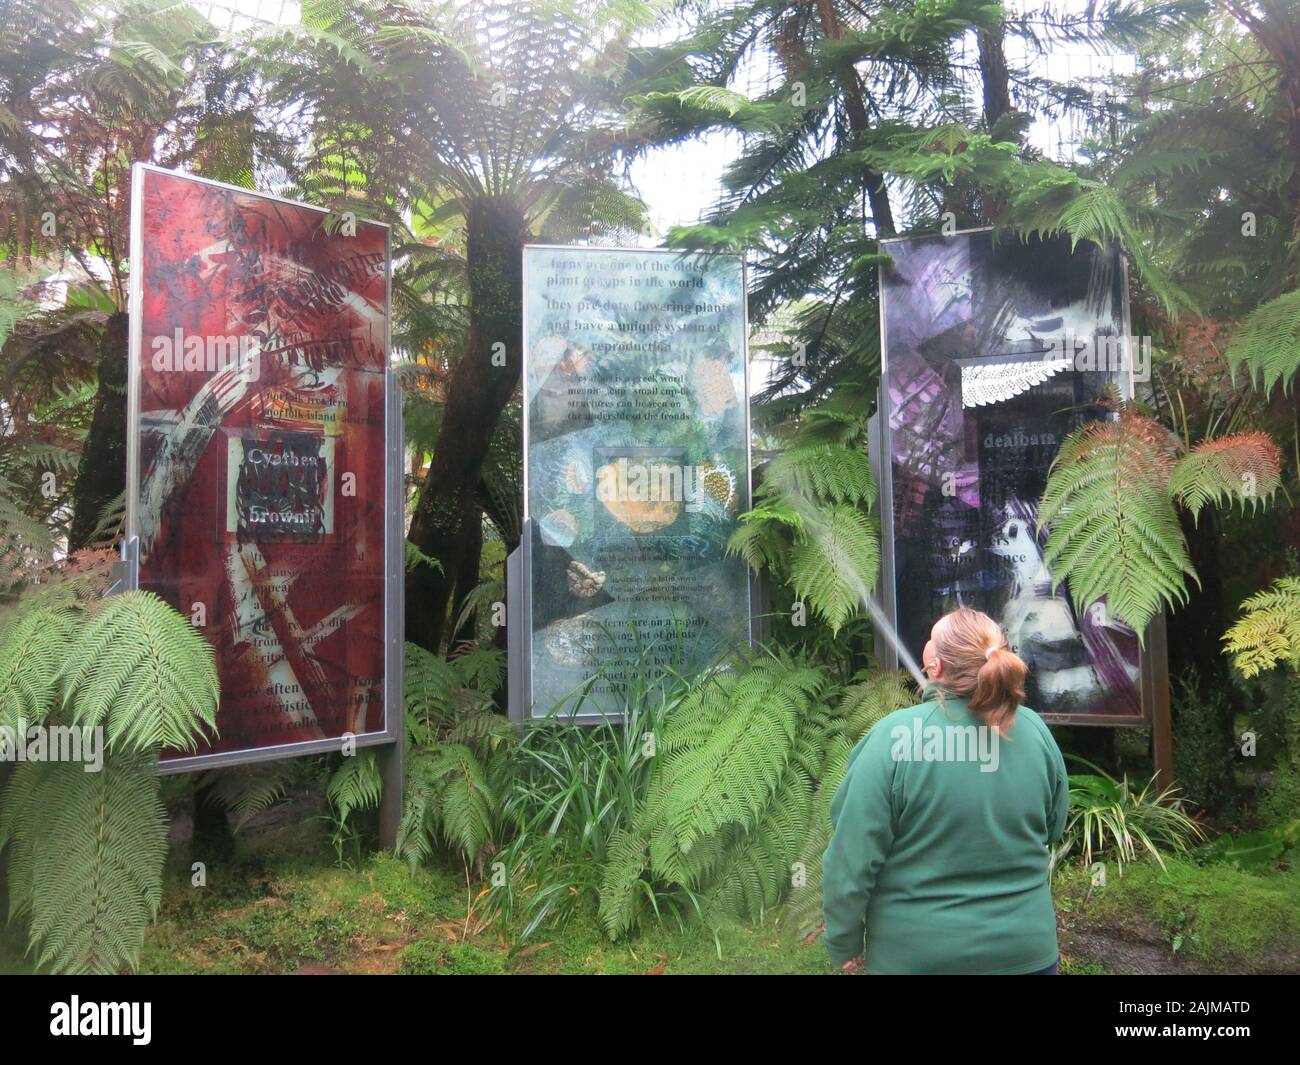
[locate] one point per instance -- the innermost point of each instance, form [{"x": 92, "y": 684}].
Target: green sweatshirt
[{"x": 939, "y": 845}]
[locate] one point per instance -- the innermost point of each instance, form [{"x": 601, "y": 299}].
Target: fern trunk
[
  {"x": 101, "y": 473},
  {"x": 448, "y": 510}
]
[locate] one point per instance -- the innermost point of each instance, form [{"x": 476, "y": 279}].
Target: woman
[{"x": 940, "y": 831}]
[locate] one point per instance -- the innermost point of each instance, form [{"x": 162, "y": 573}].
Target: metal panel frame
[
  {"x": 394, "y": 497},
  {"x": 525, "y": 613},
  {"x": 1152, "y": 662}
]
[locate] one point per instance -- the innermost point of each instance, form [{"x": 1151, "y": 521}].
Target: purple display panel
[{"x": 992, "y": 353}]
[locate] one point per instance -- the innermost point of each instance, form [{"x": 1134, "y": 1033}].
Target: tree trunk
[
  {"x": 101, "y": 472},
  {"x": 855, "y": 104},
  {"x": 993, "y": 73},
  {"x": 997, "y": 102},
  {"x": 445, "y": 524}
]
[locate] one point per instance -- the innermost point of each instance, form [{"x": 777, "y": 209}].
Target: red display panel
[{"x": 259, "y": 480}]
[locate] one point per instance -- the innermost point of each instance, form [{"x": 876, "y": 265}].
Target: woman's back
[{"x": 940, "y": 842}]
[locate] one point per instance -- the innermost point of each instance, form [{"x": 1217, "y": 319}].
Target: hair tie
[{"x": 989, "y": 653}]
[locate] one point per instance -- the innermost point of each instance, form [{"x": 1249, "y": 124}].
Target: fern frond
[
  {"x": 1268, "y": 342},
  {"x": 1268, "y": 632},
  {"x": 86, "y": 853},
  {"x": 1244, "y": 466},
  {"x": 835, "y": 561},
  {"x": 620, "y": 882},
  {"x": 144, "y": 673},
  {"x": 33, "y": 652},
  {"x": 356, "y": 784},
  {"x": 874, "y": 695},
  {"x": 1113, "y": 532},
  {"x": 761, "y": 536},
  {"x": 825, "y": 473},
  {"x": 467, "y": 803},
  {"x": 247, "y": 790}
]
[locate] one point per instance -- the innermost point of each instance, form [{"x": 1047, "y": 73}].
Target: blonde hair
[{"x": 978, "y": 663}]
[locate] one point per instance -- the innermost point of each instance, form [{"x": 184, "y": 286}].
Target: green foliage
[
  {"x": 1268, "y": 342},
  {"x": 33, "y": 655},
  {"x": 1268, "y": 632},
  {"x": 85, "y": 845},
  {"x": 85, "y": 853},
  {"x": 416, "y": 558},
  {"x": 356, "y": 784},
  {"x": 1202, "y": 741},
  {"x": 568, "y": 791},
  {"x": 1242, "y": 467},
  {"x": 1281, "y": 802},
  {"x": 434, "y": 957},
  {"x": 453, "y": 735},
  {"x": 1231, "y": 919},
  {"x": 447, "y": 791},
  {"x": 810, "y": 522},
  {"x": 1113, "y": 532},
  {"x": 1256, "y": 851},
  {"x": 144, "y": 673},
  {"x": 738, "y": 796},
  {"x": 246, "y": 790},
  {"x": 1110, "y": 820}
]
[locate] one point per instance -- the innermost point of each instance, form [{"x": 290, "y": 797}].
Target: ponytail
[
  {"x": 978, "y": 663},
  {"x": 999, "y": 688}
]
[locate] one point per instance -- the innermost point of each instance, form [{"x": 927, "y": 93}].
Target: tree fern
[
  {"x": 85, "y": 859},
  {"x": 1242, "y": 467},
  {"x": 356, "y": 784},
  {"x": 144, "y": 673},
  {"x": 1268, "y": 342},
  {"x": 728, "y": 803},
  {"x": 834, "y": 562},
  {"x": 247, "y": 790},
  {"x": 33, "y": 653},
  {"x": 1113, "y": 531},
  {"x": 1268, "y": 632}
]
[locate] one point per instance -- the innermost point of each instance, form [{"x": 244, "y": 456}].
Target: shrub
[
  {"x": 1109, "y": 819},
  {"x": 1202, "y": 741}
]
